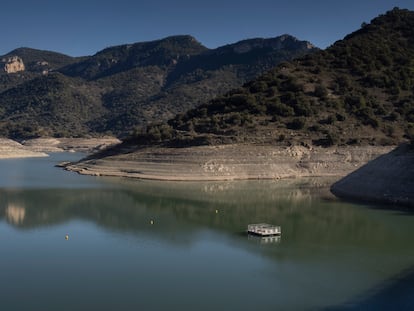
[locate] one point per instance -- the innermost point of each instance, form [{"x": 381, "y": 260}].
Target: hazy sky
[{"x": 83, "y": 27}]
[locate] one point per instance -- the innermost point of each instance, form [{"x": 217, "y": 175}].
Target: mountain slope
[
  {"x": 44, "y": 106},
  {"x": 35, "y": 62},
  {"x": 116, "y": 59},
  {"x": 129, "y": 85},
  {"x": 358, "y": 91},
  {"x": 255, "y": 52}
]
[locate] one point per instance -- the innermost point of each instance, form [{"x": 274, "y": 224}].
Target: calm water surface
[{"x": 195, "y": 255}]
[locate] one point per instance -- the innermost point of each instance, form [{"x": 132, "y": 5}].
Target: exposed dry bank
[
  {"x": 229, "y": 162},
  {"x": 12, "y": 149},
  {"x": 387, "y": 179},
  {"x": 88, "y": 145},
  {"x": 39, "y": 146}
]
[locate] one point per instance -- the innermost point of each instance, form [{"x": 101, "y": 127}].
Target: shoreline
[
  {"x": 39, "y": 147},
  {"x": 230, "y": 162},
  {"x": 10, "y": 149},
  {"x": 387, "y": 179}
]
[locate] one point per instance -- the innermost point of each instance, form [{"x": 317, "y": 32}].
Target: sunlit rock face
[{"x": 12, "y": 64}]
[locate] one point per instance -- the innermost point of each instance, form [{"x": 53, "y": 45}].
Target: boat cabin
[{"x": 264, "y": 229}]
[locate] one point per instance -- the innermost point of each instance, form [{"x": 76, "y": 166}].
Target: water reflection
[
  {"x": 264, "y": 239},
  {"x": 328, "y": 253},
  {"x": 129, "y": 206},
  {"x": 15, "y": 213},
  {"x": 181, "y": 209}
]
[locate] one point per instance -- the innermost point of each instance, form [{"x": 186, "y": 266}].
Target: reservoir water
[{"x": 71, "y": 242}]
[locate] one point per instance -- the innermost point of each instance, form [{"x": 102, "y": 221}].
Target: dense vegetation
[
  {"x": 358, "y": 91},
  {"x": 121, "y": 87},
  {"x": 44, "y": 107}
]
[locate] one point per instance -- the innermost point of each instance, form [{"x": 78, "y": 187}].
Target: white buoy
[
  {"x": 67, "y": 237},
  {"x": 151, "y": 222}
]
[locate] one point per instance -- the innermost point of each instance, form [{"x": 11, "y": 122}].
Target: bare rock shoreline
[
  {"x": 375, "y": 173},
  {"x": 230, "y": 162},
  {"x": 39, "y": 147},
  {"x": 11, "y": 149}
]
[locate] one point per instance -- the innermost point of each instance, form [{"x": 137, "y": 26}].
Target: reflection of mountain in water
[
  {"x": 314, "y": 230},
  {"x": 182, "y": 209},
  {"x": 15, "y": 213},
  {"x": 252, "y": 192}
]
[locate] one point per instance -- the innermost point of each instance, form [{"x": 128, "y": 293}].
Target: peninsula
[{"x": 324, "y": 114}]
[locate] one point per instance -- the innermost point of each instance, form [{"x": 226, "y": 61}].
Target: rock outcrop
[
  {"x": 12, "y": 64},
  {"x": 284, "y": 42}
]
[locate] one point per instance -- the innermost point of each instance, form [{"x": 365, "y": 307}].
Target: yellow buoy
[{"x": 67, "y": 237}]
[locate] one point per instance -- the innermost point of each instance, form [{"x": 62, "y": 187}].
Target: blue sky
[{"x": 83, "y": 27}]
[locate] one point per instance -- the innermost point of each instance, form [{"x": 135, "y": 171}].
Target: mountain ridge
[
  {"x": 126, "y": 86},
  {"x": 357, "y": 91},
  {"x": 127, "y": 56},
  {"x": 34, "y": 58}
]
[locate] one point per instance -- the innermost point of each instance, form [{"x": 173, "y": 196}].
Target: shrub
[
  {"x": 329, "y": 120},
  {"x": 280, "y": 109},
  {"x": 258, "y": 86},
  {"x": 340, "y": 117},
  {"x": 296, "y": 124},
  {"x": 321, "y": 91},
  {"x": 329, "y": 140},
  {"x": 314, "y": 128},
  {"x": 303, "y": 108}
]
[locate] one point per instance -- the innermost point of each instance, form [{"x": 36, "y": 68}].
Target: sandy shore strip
[
  {"x": 11, "y": 149},
  {"x": 230, "y": 162},
  {"x": 39, "y": 147},
  {"x": 87, "y": 145}
]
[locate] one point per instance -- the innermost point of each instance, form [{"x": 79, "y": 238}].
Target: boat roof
[{"x": 263, "y": 225}]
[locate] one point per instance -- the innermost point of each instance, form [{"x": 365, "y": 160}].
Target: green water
[{"x": 195, "y": 255}]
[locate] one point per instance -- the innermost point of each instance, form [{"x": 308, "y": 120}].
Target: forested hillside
[
  {"x": 122, "y": 87},
  {"x": 358, "y": 91}
]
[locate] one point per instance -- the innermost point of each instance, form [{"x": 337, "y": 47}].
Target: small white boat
[{"x": 264, "y": 229}]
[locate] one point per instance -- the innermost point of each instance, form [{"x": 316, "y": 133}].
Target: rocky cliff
[{"x": 12, "y": 64}]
